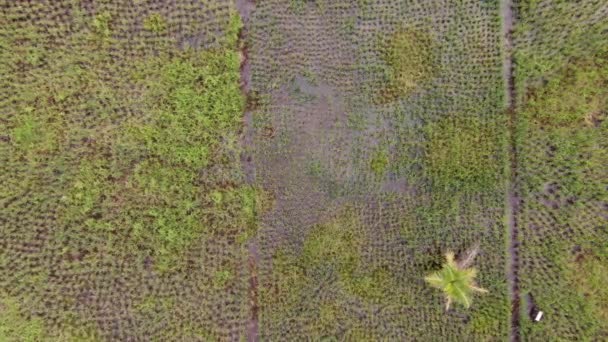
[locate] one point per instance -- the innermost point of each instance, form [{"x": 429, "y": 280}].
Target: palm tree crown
[{"x": 456, "y": 281}]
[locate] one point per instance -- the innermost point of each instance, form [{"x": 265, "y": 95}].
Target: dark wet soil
[
  {"x": 513, "y": 200},
  {"x": 253, "y": 325},
  {"x": 531, "y": 308},
  {"x": 245, "y": 9}
]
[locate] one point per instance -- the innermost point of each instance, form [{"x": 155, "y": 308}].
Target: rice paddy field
[{"x": 270, "y": 170}]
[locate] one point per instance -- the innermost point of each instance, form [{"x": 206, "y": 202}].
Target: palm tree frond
[
  {"x": 449, "y": 256},
  {"x": 434, "y": 280},
  {"x": 469, "y": 273},
  {"x": 461, "y": 296},
  {"x": 456, "y": 281},
  {"x": 470, "y": 255},
  {"x": 478, "y": 289}
]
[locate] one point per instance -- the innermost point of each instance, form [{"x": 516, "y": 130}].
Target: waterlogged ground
[{"x": 290, "y": 169}]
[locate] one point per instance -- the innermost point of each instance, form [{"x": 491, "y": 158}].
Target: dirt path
[
  {"x": 245, "y": 9},
  {"x": 513, "y": 200}
]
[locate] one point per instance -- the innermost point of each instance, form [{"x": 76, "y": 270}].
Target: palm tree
[{"x": 456, "y": 280}]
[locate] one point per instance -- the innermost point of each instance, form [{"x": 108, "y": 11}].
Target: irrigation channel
[{"x": 513, "y": 199}]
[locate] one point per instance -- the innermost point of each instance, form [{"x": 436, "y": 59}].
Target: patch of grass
[
  {"x": 356, "y": 121},
  {"x": 590, "y": 276},
  {"x": 297, "y": 6},
  {"x": 408, "y": 53},
  {"x": 379, "y": 162},
  {"x": 461, "y": 154},
  {"x": 484, "y": 324},
  {"x": 16, "y": 327},
  {"x": 27, "y": 133},
  {"x": 336, "y": 246}
]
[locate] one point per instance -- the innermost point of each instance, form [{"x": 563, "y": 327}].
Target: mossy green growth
[
  {"x": 409, "y": 57},
  {"x": 482, "y": 323},
  {"x": 462, "y": 154},
  {"x": 155, "y": 23},
  {"x": 89, "y": 185},
  {"x": 193, "y": 99},
  {"x": 14, "y": 326},
  {"x": 334, "y": 244},
  {"x": 297, "y": 6},
  {"x": 379, "y": 162},
  {"x": 35, "y": 132}
]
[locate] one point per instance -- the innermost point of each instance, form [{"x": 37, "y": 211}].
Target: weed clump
[
  {"x": 155, "y": 23},
  {"x": 333, "y": 253}
]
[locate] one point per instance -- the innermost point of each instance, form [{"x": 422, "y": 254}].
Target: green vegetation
[
  {"x": 456, "y": 281},
  {"x": 194, "y": 104},
  {"x": 575, "y": 98},
  {"x": 379, "y": 162},
  {"x": 124, "y": 161},
  {"x": 562, "y": 134},
  {"x": 336, "y": 246},
  {"x": 130, "y": 209},
  {"x": 221, "y": 278}
]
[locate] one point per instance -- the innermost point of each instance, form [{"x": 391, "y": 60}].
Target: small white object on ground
[{"x": 539, "y": 315}]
